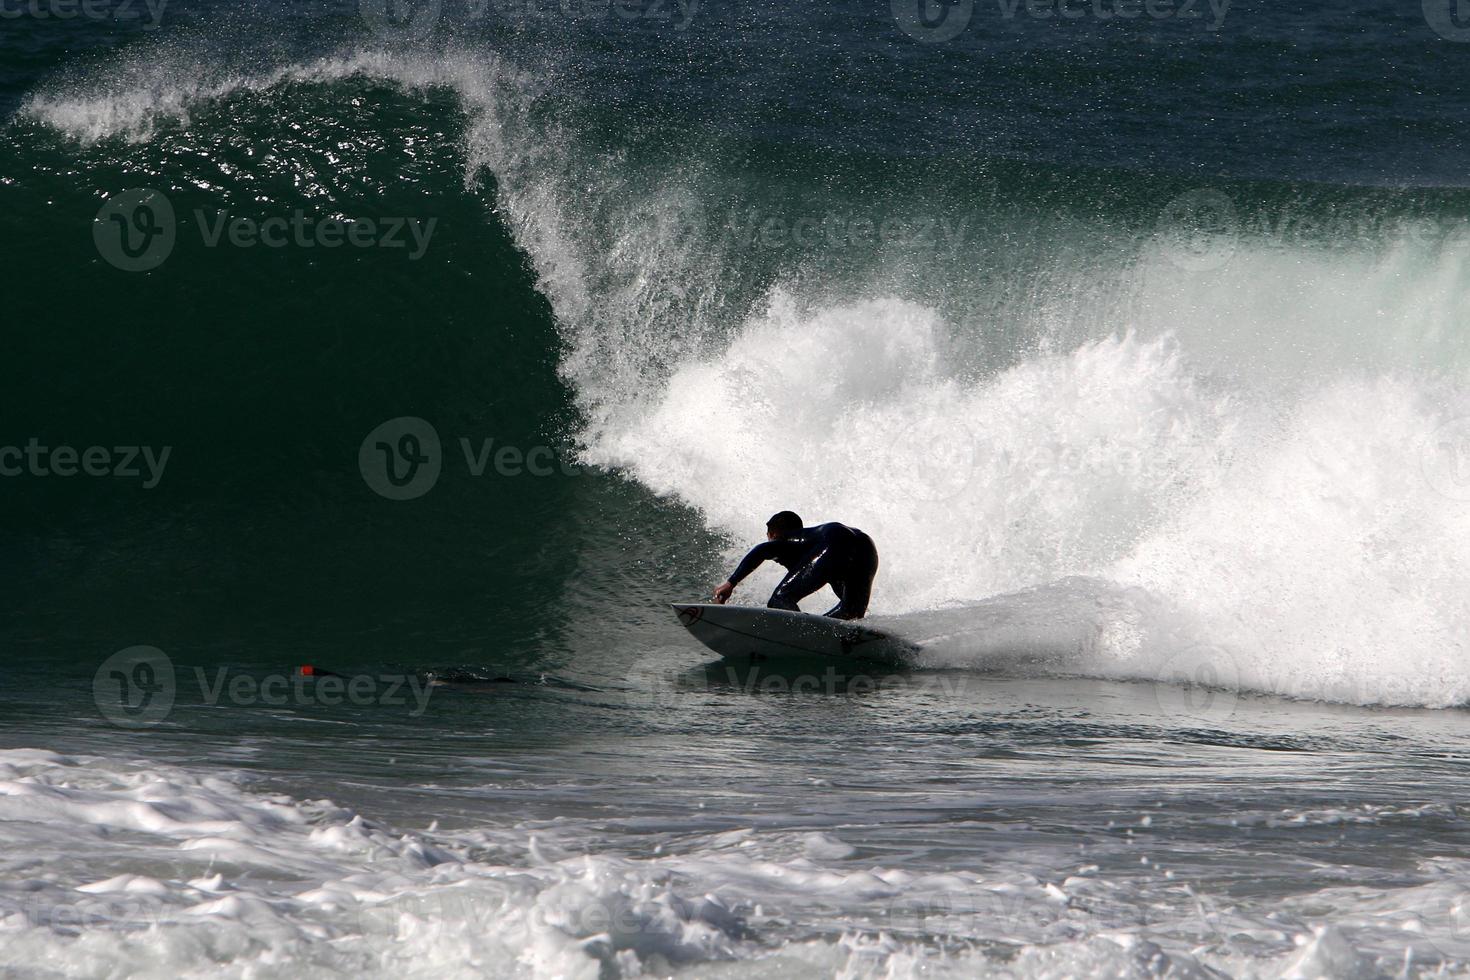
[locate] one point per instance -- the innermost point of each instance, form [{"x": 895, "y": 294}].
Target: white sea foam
[
  {"x": 124, "y": 869},
  {"x": 1307, "y": 525}
]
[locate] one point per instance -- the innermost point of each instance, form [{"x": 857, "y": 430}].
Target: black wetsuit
[{"x": 828, "y": 554}]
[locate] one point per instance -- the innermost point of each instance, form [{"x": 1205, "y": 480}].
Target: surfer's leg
[
  {"x": 855, "y": 588},
  {"x": 855, "y": 596},
  {"x": 803, "y": 581},
  {"x": 838, "y": 586}
]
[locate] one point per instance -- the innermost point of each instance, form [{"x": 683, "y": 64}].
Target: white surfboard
[{"x": 756, "y": 633}]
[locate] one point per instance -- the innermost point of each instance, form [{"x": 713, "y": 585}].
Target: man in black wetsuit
[{"x": 828, "y": 554}]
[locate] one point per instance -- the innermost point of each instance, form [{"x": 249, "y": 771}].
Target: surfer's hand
[{"x": 723, "y": 591}]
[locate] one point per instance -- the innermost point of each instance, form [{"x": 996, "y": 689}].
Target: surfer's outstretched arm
[
  {"x": 752, "y": 560},
  {"x": 763, "y": 552}
]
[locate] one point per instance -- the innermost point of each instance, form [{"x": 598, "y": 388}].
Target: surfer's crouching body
[{"x": 828, "y": 554}]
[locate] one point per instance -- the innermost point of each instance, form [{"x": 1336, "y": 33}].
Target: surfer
[{"x": 828, "y": 554}]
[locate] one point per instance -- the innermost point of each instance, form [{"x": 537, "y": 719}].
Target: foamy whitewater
[{"x": 1170, "y": 480}]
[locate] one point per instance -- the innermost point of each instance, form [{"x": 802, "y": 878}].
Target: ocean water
[{"x": 439, "y": 346}]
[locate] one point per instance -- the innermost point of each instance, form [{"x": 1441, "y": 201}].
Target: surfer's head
[{"x": 782, "y": 525}]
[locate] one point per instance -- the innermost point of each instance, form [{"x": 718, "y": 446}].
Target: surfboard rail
[{"x": 761, "y": 633}]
